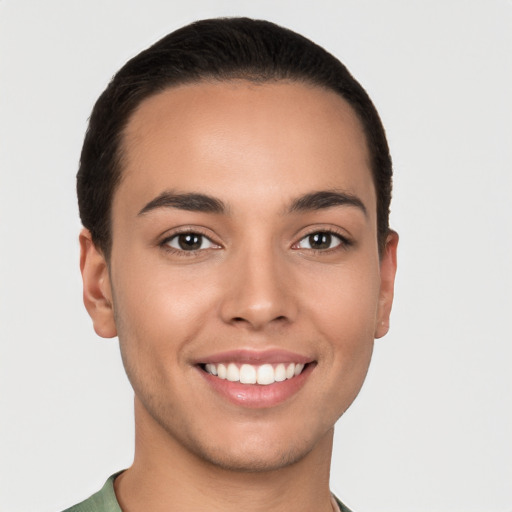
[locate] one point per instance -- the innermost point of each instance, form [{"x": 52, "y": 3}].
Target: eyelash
[
  {"x": 344, "y": 242},
  {"x": 164, "y": 244}
]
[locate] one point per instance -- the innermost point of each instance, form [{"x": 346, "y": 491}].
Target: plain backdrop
[{"x": 432, "y": 429}]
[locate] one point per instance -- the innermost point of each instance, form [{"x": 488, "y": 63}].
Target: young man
[{"x": 234, "y": 189}]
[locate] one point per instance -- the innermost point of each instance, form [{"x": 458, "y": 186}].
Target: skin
[{"x": 255, "y": 284}]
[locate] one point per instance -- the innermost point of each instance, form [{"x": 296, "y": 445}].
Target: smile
[
  {"x": 256, "y": 379},
  {"x": 262, "y": 374}
]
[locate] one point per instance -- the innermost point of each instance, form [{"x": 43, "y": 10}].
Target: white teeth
[
  {"x": 233, "y": 373},
  {"x": 210, "y": 368},
  {"x": 264, "y": 374},
  {"x": 280, "y": 373},
  {"x": 247, "y": 374},
  {"x": 221, "y": 371}
]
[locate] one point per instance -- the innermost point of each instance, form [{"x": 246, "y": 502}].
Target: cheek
[
  {"x": 347, "y": 334},
  {"x": 347, "y": 302},
  {"x": 344, "y": 315},
  {"x": 157, "y": 309}
]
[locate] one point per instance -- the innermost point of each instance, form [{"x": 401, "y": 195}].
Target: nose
[{"x": 259, "y": 291}]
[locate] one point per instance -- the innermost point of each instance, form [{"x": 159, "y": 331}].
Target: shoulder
[
  {"x": 342, "y": 508},
  {"x": 103, "y": 501}
]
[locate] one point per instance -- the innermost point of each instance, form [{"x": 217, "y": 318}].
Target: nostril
[{"x": 239, "y": 319}]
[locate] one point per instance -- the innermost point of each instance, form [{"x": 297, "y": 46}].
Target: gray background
[{"x": 432, "y": 428}]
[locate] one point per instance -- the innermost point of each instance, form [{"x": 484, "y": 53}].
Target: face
[{"x": 244, "y": 283}]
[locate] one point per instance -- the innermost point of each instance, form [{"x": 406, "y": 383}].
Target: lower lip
[{"x": 257, "y": 396}]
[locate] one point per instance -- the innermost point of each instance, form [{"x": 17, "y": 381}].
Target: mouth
[
  {"x": 257, "y": 380},
  {"x": 261, "y": 374}
]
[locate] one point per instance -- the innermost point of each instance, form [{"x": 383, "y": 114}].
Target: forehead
[{"x": 243, "y": 140}]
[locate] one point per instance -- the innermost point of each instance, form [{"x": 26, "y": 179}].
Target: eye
[
  {"x": 321, "y": 241},
  {"x": 189, "y": 242}
]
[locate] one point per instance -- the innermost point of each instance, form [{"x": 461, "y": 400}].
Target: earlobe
[
  {"x": 97, "y": 291},
  {"x": 387, "y": 284}
]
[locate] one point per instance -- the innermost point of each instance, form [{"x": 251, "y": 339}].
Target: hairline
[{"x": 234, "y": 77}]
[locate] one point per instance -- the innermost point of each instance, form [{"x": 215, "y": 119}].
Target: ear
[
  {"x": 97, "y": 288},
  {"x": 387, "y": 284}
]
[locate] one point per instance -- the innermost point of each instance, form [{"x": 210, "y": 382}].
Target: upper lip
[{"x": 249, "y": 356}]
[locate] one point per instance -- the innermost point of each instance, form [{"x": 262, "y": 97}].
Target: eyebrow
[
  {"x": 191, "y": 202},
  {"x": 204, "y": 203},
  {"x": 326, "y": 199}
]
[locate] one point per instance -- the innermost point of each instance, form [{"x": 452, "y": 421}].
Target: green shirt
[{"x": 105, "y": 500}]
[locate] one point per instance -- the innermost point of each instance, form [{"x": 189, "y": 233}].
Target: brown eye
[
  {"x": 321, "y": 240},
  {"x": 190, "y": 242}
]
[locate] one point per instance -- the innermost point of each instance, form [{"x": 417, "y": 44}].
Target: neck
[{"x": 166, "y": 476}]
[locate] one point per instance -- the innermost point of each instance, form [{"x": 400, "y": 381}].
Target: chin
[
  {"x": 258, "y": 457},
  {"x": 244, "y": 447}
]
